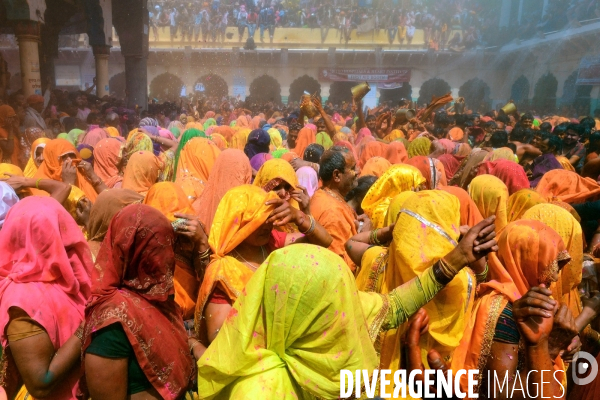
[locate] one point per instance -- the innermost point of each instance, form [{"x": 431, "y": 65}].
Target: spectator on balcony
[
  {"x": 185, "y": 23},
  {"x": 173, "y": 16},
  {"x": 242, "y": 22},
  {"x": 252, "y": 22},
  {"x": 266, "y": 19}
]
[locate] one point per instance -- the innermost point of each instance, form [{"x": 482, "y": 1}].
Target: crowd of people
[{"x": 225, "y": 250}]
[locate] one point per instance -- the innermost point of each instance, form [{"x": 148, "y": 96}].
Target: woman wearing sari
[
  {"x": 36, "y": 156},
  {"x": 421, "y": 146},
  {"x": 136, "y": 141},
  {"x": 521, "y": 201},
  {"x": 431, "y": 169},
  {"x": 468, "y": 169},
  {"x": 134, "y": 334},
  {"x": 258, "y": 161},
  {"x": 194, "y": 165},
  {"x": 491, "y": 197},
  {"x": 567, "y": 186},
  {"x": 8, "y": 198},
  {"x": 107, "y": 160},
  {"x": 426, "y": 230},
  {"x": 26, "y": 142},
  {"x": 241, "y": 237},
  {"x": 469, "y": 213},
  {"x": 397, "y": 179},
  {"x": 93, "y": 137},
  {"x": 530, "y": 254},
  {"x": 107, "y": 205},
  {"x": 301, "y": 320},
  {"x": 45, "y": 268},
  {"x": 563, "y": 223},
  {"x": 307, "y": 178},
  {"x": 306, "y": 136},
  {"x": 141, "y": 172},
  {"x": 396, "y": 153},
  {"x": 60, "y": 154},
  {"x": 375, "y": 166},
  {"x": 512, "y": 174},
  {"x": 370, "y": 150},
  {"x": 190, "y": 246},
  {"x": 231, "y": 169},
  {"x": 258, "y": 142},
  {"x": 451, "y": 164}
]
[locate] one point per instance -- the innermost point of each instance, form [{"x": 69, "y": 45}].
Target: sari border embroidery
[
  {"x": 431, "y": 225},
  {"x": 488, "y": 335},
  {"x": 376, "y": 270}
]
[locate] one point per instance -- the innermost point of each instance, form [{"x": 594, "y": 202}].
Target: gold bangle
[
  {"x": 37, "y": 182},
  {"x": 193, "y": 345}
]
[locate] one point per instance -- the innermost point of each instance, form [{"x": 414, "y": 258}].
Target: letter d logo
[{"x": 580, "y": 367}]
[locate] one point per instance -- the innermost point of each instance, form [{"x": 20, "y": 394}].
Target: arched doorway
[
  {"x": 544, "y": 93},
  {"x": 519, "y": 91},
  {"x": 265, "y": 89},
  {"x": 212, "y": 85},
  {"x": 117, "y": 85},
  {"x": 433, "y": 87},
  {"x": 166, "y": 87},
  {"x": 396, "y": 95},
  {"x": 576, "y": 96},
  {"x": 476, "y": 93},
  {"x": 340, "y": 92},
  {"x": 303, "y": 84}
]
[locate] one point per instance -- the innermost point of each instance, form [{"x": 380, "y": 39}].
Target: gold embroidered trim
[
  {"x": 379, "y": 319},
  {"x": 488, "y": 336},
  {"x": 376, "y": 270}
]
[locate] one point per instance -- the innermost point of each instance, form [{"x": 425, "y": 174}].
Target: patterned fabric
[
  {"x": 133, "y": 280},
  {"x": 45, "y": 267},
  {"x": 506, "y": 328}
]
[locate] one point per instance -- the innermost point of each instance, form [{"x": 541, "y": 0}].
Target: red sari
[{"x": 133, "y": 280}]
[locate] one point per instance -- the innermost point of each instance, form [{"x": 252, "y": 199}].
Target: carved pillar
[
  {"x": 28, "y": 36},
  {"x": 101, "y": 54}
]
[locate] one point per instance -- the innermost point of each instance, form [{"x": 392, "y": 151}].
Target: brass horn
[
  {"x": 359, "y": 91},
  {"x": 509, "y": 108},
  {"x": 307, "y": 106}
]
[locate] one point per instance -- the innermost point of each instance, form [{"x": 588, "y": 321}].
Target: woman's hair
[
  {"x": 313, "y": 153},
  {"x": 362, "y": 187}
]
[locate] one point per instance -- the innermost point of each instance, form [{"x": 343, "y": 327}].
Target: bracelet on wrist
[{"x": 482, "y": 277}]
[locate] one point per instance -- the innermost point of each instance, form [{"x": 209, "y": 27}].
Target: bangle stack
[
  {"x": 204, "y": 255},
  {"x": 194, "y": 343},
  {"x": 373, "y": 238},
  {"x": 311, "y": 228},
  {"x": 482, "y": 276},
  {"x": 79, "y": 333},
  {"x": 446, "y": 269}
]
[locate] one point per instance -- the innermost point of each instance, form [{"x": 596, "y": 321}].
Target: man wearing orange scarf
[{"x": 328, "y": 205}]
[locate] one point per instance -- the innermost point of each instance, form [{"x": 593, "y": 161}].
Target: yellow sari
[
  {"x": 393, "y": 135},
  {"x": 426, "y": 230},
  {"x": 299, "y": 321},
  {"x": 521, "y": 201},
  {"x": 397, "y": 179},
  {"x": 396, "y": 204},
  {"x": 240, "y": 213},
  {"x": 570, "y": 232},
  {"x": 490, "y": 195}
]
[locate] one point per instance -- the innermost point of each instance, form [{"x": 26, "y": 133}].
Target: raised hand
[
  {"x": 534, "y": 314},
  {"x": 300, "y": 194}
]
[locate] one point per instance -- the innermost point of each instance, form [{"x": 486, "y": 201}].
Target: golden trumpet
[{"x": 359, "y": 91}]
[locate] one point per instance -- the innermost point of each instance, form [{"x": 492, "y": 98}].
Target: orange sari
[
  {"x": 396, "y": 153},
  {"x": 372, "y": 149},
  {"x": 169, "y": 199},
  {"x": 376, "y": 166},
  {"x": 569, "y": 230},
  {"x": 306, "y": 136},
  {"x": 469, "y": 213},
  {"x": 196, "y": 160},
  {"x": 567, "y": 186},
  {"x": 141, "y": 172},
  {"x": 107, "y": 155},
  {"x": 51, "y": 168},
  {"x": 527, "y": 249}
]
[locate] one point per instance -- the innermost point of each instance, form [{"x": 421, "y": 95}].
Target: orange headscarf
[
  {"x": 141, "y": 172},
  {"x": 376, "y": 166},
  {"x": 431, "y": 168},
  {"x": 527, "y": 250},
  {"x": 521, "y": 201},
  {"x": 30, "y": 168},
  {"x": 469, "y": 213},
  {"x": 456, "y": 134},
  {"x": 396, "y": 153},
  {"x": 107, "y": 155},
  {"x": 289, "y": 156},
  {"x": 169, "y": 199},
  {"x": 372, "y": 149},
  {"x": 195, "y": 163},
  {"x": 231, "y": 169},
  {"x": 306, "y": 136},
  {"x": 569, "y": 230},
  {"x": 51, "y": 167},
  {"x": 219, "y": 140},
  {"x": 567, "y": 186}
]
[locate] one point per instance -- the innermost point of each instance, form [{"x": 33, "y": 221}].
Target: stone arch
[
  {"x": 117, "y": 85},
  {"x": 397, "y": 94},
  {"x": 302, "y": 84},
  {"x": 476, "y": 93},
  {"x": 544, "y": 93},
  {"x": 577, "y": 96},
  {"x": 340, "y": 92},
  {"x": 166, "y": 87},
  {"x": 519, "y": 91},
  {"x": 432, "y": 87},
  {"x": 265, "y": 88},
  {"x": 214, "y": 85}
]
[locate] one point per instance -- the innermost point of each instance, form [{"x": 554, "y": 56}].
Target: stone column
[
  {"x": 101, "y": 54},
  {"x": 136, "y": 78},
  {"x": 28, "y": 36}
]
